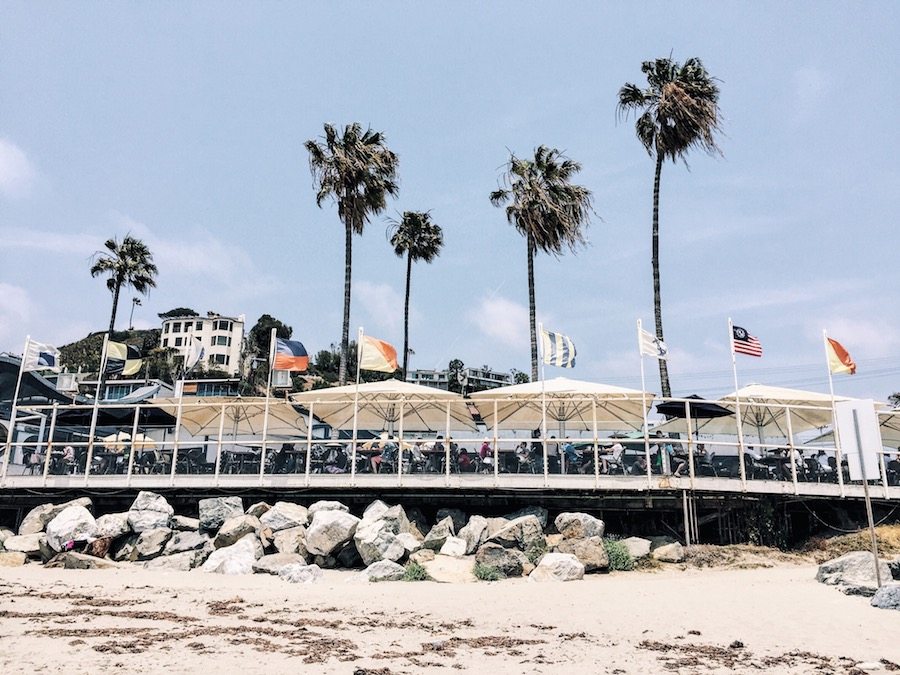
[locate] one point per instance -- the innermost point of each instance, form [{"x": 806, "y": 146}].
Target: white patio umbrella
[
  {"x": 244, "y": 416},
  {"x": 889, "y": 425},
  {"x": 116, "y": 442},
  {"x": 424, "y": 408},
  {"x": 142, "y": 442},
  {"x": 567, "y": 401}
]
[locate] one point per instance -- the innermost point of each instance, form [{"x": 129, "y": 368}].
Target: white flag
[
  {"x": 558, "y": 349},
  {"x": 194, "y": 355},
  {"x": 652, "y": 345},
  {"x": 40, "y": 356}
]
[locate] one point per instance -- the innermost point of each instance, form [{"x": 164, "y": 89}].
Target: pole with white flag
[
  {"x": 93, "y": 429},
  {"x": 12, "y": 413},
  {"x": 265, "y": 433},
  {"x": 737, "y": 407},
  {"x": 359, "y": 348},
  {"x": 543, "y": 404},
  {"x": 640, "y": 332},
  {"x": 837, "y": 439}
]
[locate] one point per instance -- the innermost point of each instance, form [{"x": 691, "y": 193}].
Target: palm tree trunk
[
  {"x": 112, "y": 317},
  {"x": 657, "y": 298},
  {"x": 406, "y": 316},
  {"x": 531, "y": 310},
  {"x": 345, "y": 330}
]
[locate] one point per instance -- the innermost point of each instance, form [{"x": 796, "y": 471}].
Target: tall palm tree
[
  {"x": 677, "y": 112},
  {"x": 127, "y": 264},
  {"x": 418, "y": 238},
  {"x": 547, "y": 209},
  {"x": 356, "y": 170}
]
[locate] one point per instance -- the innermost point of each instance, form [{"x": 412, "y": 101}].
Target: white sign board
[{"x": 865, "y": 450}]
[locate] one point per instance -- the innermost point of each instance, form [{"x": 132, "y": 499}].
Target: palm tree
[
  {"x": 417, "y": 237},
  {"x": 127, "y": 264},
  {"x": 677, "y": 112},
  {"x": 356, "y": 170},
  {"x": 547, "y": 209}
]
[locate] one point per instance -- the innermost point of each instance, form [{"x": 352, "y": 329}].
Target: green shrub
[
  {"x": 619, "y": 557},
  {"x": 415, "y": 572},
  {"x": 535, "y": 551},
  {"x": 487, "y": 572}
]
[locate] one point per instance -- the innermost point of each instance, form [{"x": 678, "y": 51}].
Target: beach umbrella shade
[
  {"x": 142, "y": 442},
  {"x": 380, "y": 403},
  {"x": 567, "y": 401},
  {"x": 244, "y": 416},
  {"x": 116, "y": 442},
  {"x": 702, "y": 411}
]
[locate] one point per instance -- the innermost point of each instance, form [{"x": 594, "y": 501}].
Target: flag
[
  {"x": 194, "y": 355},
  {"x": 652, "y": 345},
  {"x": 744, "y": 343},
  {"x": 377, "y": 355},
  {"x": 123, "y": 359},
  {"x": 290, "y": 355},
  {"x": 558, "y": 349},
  {"x": 839, "y": 360},
  {"x": 40, "y": 356}
]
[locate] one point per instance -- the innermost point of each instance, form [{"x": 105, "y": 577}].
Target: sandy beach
[{"x": 777, "y": 620}]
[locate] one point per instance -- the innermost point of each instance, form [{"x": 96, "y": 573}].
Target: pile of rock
[{"x": 297, "y": 542}]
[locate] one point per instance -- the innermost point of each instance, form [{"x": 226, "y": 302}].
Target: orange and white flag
[
  {"x": 839, "y": 360},
  {"x": 377, "y": 355}
]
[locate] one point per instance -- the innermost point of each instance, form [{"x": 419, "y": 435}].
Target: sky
[{"x": 183, "y": 124}]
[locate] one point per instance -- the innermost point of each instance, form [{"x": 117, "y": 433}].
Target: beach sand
[{"x": 688, "y": 621}]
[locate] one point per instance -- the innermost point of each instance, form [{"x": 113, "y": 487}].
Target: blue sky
[{"x": 184, "y": 123}]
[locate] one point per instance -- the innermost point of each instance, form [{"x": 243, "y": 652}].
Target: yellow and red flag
[
  {"x": 839, "y": 360},
  {"x": 377, "y": 355}
]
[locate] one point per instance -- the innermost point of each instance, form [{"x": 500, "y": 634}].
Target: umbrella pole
[
  {"x": 134, "y": 428},
  {"x": 790, "y": 432},
  {"x": 596, "y": 444},
  {"x": 839, "y": 456},
  {"x": 447, "y": 447},
  {"x": 53, "y": 429},
  {"x": 496, "y": 449},
  {"x": 737, "y": 409},
  {"x": 176, "y": 439},
  {"x": 219, "y": 445},
  {"x": 309, "y": 426},
  {"x": 359, "y": 339},
  {"x": 644, "y": 413},
  {"x": 265, "y": 433},
  {"x": 90, "y": 451}
]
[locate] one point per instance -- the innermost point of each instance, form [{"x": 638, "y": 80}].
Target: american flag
[{"x": 744, "y": 343}]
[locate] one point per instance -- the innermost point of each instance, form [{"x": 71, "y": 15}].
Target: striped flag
[
  {"x": 123, "y": 359},
  {"x": 839, "y": 360},
  {"x": 558, "y": 349},
  {"x": 744, "y": 343},
  {"x": 290, "y": 355},
  {"x": 377, "y": 355},
  {"x": 40, "y": 356}
]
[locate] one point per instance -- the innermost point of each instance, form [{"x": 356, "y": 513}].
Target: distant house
[
  {"x": 476, "y": 379},
  {"x": 220, "y": 336}
]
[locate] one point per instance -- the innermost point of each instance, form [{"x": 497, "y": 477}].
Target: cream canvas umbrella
[
  {"x": 142, "y": 442},
  {"x": 243, "y": 416},
  {"x": 567, "y": 401},
  {"x": 424, "y": 408},
  {"x": 116, "y": 442}
]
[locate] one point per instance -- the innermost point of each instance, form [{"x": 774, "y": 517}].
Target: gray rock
[
  {"x": 409, "y": 541},
  {"x": 557, "y": 567},
  {"x": 5, "y": 533},
  {"x": 375, "y": 541},
  {"x": 291, "y": 540},
  {"x": 216, "y": 510},
  {"x": 74, "y": 523},
  {"x": 450, "y": 570},
  {"x": 284, "y": 515},
  {"x": 396, "y": 520},
  {"x": 274, "y": 563},
  {"x": 326, "y": 562},
  {"x": 36, "y": 519},
  {"x": 235, "y": 559},
  {"x": 383, "y": 570},
  {"x": 887, "y": 597},
  {"x": 149, "y": 511},
  {"x": 329, "y": 530},
  {"x": 325, "y": 505},
  {"x": 660, "y": 540},
  {"x": 538, "y": 511},
  {"x": 893, "y": 566},
  {"x": 113, "y": 525},
  {"x": 521, "y": 533},
  {"x": 637, "y": 547},
  {"x": 259, "y": 509},
  {"x": 12, "y": 559},
  {"x": 301, "y": 574},
  {"x": 510, "y": 562},
  {"x": 179, "y": 562},
  {"x": 579, "y": 525},
  {"x": 670, "y": 553},
  {"x": 422, "y": 556},
  {"x": 494, "y": 525},
  {"x": 853, "y": 572},
  {"x": 123, "y": 550},
  {"x": 438, "y": 534},
  {"x": 151, "y": 543},
  {"x": 185, "y": 524},
  {"x": 82, "y": 561},
  {"x": 186, "y": 541},
  {"x": 454, "y": 547},
  {"x": 458, "y": 517},
  {"x": 374, "y": 510},
  {"x": 235, "y": 528},
  {"x": 474, "y": 533},
  {"x": 418, "y": 523},
  {"x": 29, "y": 544},
  {"x": 590, "y": 552}
]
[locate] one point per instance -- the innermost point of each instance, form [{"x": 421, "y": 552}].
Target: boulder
[
  {"x": 853, "y": 573},
  {"x": 375, "y": 541},
  {"x": 179, "y": 562},
  {"x": 29, "y": 544},
  {"x": 590, "y": 552},
  {"x": 81, "y": 561},
  {"x": 553, "y": 540},
  {"x": 374, "y": 510},
  {"x": 123, "y": 550},
  {"x": 637, "y": 547},
  {"x": 46, "y": 552},
  {"x": 450, "y": 570},
  {"x": 579, "y": 525},
  {"x": 216, "y": 510},
  {"x": 235, "y": 528},
  {"x": 185, "y": 524},
  {"x": 409, "y": 541},
  {"x": 557, "y": 567},
  {"x": 301, "y": 574},
  {"x": 886, "y": 597},
  {"x": 273, "y": 564},
  {"x": 181, "y": 542},
  {"x": 422, "y": 556},
  {"x": 510, "y": 562},
  {"x": 149, "y": 511},
  {"x": 454, "y": 547},
  {"x": 150, "y": 543},
  {"x": 893, "y": 566},
  {"x": 383, "y": 570},
  {"x": 537, "y": 511},
  {"x": 284, "y": 515},
  {"x": 74, "y": 523},
  {"x": 418, "y": 523},
  {"x": 36, "y": 519},
  {"x": 12, "y": 559},
  {"x": 325, "y": 505},
  {"x": 113, "y": 525},
  {"x": 458, "y": 517},
  {"x": 5, "y": 533},
  {"x": 660, "y": 540},
  {"x": 521, "y": 533},
  {"x": 329, "y": 530},
  {"x": 396, "y": 520},
  {"x": 259, "y": 509},
  {"x": 235, "y": 559},
  {"x": 474, "y": 533},
  {"x": 670, "y": 553},
  {"x": 438, "y": 534},
  {"x": 291, "y": 540},
  {"x": 494, "y": 525}
]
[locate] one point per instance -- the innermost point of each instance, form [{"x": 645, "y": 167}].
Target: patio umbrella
[
  {"x": 142, "y": 442},
  {"x": 702, "y": 412},
  {"x": 116, "y": 442},
  {"x": 424, "y": 408},
  {"x": 567, "y": 401},
  {"x": 244, "y": 416}
]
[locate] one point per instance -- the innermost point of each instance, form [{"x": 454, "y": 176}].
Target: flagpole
[
  {"x": 13, "y": 410},
  {"x": 644, "y": 408},
  {"x": 543, "y": 407},
  {"x": 359, "y": 341},
  {"x": 737, "y": 408},
  {"x": 839, "y": 459},
  {"x": 265, "y": 433},
  {"x": 93, "y": 428}
]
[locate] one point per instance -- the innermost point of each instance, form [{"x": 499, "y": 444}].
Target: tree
[
  {"x": 358, "y": 171},
  {"x": 127, "y": 264},
  {"x": 456, "y": 376},
  {"x": 677, "y": 112},
  {"x": 547, "y": 209},
  {"x": 418, "y": 238},
  {"x": 519, "y": 377},
  {"x": 255, "y": 354},
  {"x": 178, "y": 311},
  {"x": 894, "y": 400}
]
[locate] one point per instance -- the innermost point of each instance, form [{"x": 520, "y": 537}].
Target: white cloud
[
  {"x": 811, "y": 86},
  {"x": 864, "y": 338},
  {"x": 15, "y": 310},
  {"x": 381, "y": 304},
  {"x": 17, "y": 173},
  {"x": 49, "y": 242},
  {"x": 502, "y": 320}
]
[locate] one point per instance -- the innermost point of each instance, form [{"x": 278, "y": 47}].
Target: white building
[
  {"x": 221, "y": 337},
  {"x": 474, "y": 379}
]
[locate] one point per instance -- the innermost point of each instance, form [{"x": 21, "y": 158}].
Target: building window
[
  {"x": 176, "y": 327},
  {"x": 224, "y": 340},
  {"x": 165, "y": 342},
  {"x": 177, "y": 342},
  {"x": 222, "y": 325},
  {"x": 219, "y": 359},
  {"x": 198, "y": 325},
  {"x": 166, "y": 328}
]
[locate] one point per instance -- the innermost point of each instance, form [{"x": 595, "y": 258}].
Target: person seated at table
[
  {"x": 523, "y": 456},
  {"x": 573, "y": 461},
  {"x": 793, "y": 457},
  {"x": 893, "y": 468},
  {"x": 486, "y": 454},
  {"x": 282, "y": 457},
  {"x": 611, "y": 455},
  {"x": 639, "y": 468},
  {"x": 464, "y": 461},
  {"x": 554, "y": 461},
  {"x": 386, "y": 452},
  {"x": 415, "y": 456},
  {"x": 436, "y": 455},
  {"x": 336, "y": 460}
]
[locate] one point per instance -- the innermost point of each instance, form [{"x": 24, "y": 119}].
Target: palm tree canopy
[
  {"x": 127, "y": 264},
  {"x": 543, "y": 204},
  {"x": 355, "y": 169},
  {"x": 678, "y": 111},
  {"x": 417, "y": 235}
]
